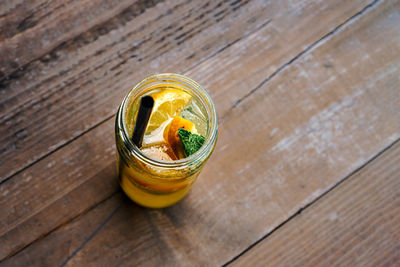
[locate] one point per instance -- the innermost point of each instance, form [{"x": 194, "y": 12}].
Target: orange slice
[
  {"x": 171, "y": 134},
  {"x": 167, "y": 104}
]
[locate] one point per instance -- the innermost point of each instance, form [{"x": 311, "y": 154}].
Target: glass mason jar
[{"x": 155, "y": 183}]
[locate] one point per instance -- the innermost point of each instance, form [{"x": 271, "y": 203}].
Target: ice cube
[
  {"x": 159, "y": 152},
  {"x": 193, "y": 113}
]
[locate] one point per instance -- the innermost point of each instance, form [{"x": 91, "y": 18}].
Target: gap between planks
[
  {"x": 65, "y": 223},
  {"x": 309, "y": 48},
  {"x": 374, "y": 158}
]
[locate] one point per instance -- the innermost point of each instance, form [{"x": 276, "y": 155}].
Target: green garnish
[{"x": 190, "y": 142}]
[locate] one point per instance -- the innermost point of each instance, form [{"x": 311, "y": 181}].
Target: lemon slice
[{"x": 167, "y": 104}]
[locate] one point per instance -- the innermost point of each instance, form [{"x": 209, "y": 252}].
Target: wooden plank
[
  {"x": 47, "y": 256},
  {"x": 356, "y": 224},
  {"x": 80, "y": 83},
  {"x": 10, "y": 10},
  {"x": 57, "y": 189},
  {"x": 26, "y": 207},
  {"x": 18, "y": 8},
  {"x": 316, "y": 136},
  {"x": 31, "y": 30}
]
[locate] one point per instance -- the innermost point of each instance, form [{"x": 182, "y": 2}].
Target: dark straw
[{"x": 146, "y": 105}]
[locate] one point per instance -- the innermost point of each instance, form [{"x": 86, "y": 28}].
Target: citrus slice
[
  {"x": 167, "y": 104},
  {"x": 171, "y": 134}
]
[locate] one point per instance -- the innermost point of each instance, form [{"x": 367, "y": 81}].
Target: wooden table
[{"x": 306, "y": 171}]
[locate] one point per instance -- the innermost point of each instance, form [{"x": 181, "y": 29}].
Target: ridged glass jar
[{"x": 154, "y": 183}]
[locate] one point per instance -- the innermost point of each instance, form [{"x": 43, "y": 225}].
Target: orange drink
[{"x": 179, "y": 137}]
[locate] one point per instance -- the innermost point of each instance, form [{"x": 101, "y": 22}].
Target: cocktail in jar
[{"x": 176, "y": 122}]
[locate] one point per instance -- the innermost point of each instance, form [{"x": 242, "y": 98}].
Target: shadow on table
[{"x": 134, "y": 234}]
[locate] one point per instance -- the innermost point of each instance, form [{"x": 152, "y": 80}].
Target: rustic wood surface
[
  {"x": 306, "y": 168},
  {"x": 344, "y": 227}
]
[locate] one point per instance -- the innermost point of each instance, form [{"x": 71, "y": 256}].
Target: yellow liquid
[{"x": 152, "y": 192}]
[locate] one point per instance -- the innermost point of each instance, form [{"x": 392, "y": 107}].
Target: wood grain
[
  {"x": 264, "y": 53},
  {"x": 33, "y": 28},
  {"x": 303, "y": 145},
  {"x": 81, "y": 82},
  {"x": 356, "y": 224},
  {"x": 57, "y": 189},
  {"x": 27, "y": 207}
]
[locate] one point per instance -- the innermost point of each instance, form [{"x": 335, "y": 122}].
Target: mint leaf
[{"x": 191, "y": 142}]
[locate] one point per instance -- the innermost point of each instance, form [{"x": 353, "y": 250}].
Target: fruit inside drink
[
  {"x": 173, "y": 110},
  {"x": 174, "y": 147}
]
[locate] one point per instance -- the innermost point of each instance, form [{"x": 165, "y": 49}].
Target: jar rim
[{"x": 205, "y": 99}]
